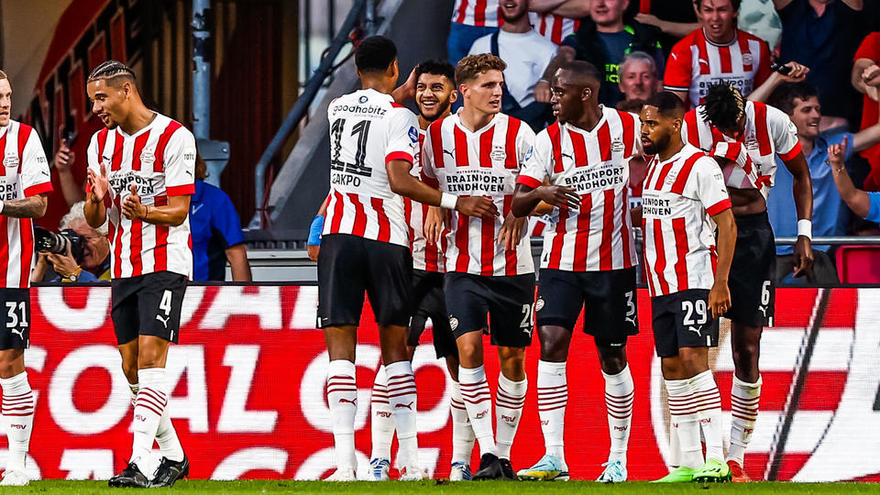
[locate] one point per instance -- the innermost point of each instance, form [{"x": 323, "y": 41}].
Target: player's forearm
[
  {"x": 726, "y": 243},
  {"x": 635, "y": 215},
  {"x": 525, "y": 201},
  {"x": 170, "y": 215},
  {"x": 94, "y": 211},
  {"x": 404, "y": 184},
  {"x": 856, "y": 199},
  {"x": 802, "y": 189},
  {"x": 72, "y": 192},
  {"x": 238, "y": 263},
  {"x": 33, "y": 207}
]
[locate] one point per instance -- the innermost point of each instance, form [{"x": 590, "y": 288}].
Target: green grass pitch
[{"x": 444, "y": 488}]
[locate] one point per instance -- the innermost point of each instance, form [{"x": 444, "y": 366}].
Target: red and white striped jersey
[
  {"x": 427, "y": 257},
  {"x": 695, "y": 63},
  {"x": 768, "y": 133},
  {"x": 597, "y": 237},
  {"x": 553, "y": 27},
  {"x": 477, "y": 13},
  {"x": 481, "y": 163},
  {"x": 368, "y": 130},
  {"x": 24, "y": 173},
  {"x": 160, "y": 161},
  {"x": 678, "y": 199}
]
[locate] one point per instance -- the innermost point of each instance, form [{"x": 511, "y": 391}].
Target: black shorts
[
  {"x": 683, "y": 319},
  {"x": 350, "y": 265},
  {"x": 608, "y": 299},
  {"x": 507, "y": 300},
  {"x": 148, "y": 304},
  {"x": 752, "y": 290},
  {"x": 429, "y": 302},
  {"x": 16, "y": 307}
]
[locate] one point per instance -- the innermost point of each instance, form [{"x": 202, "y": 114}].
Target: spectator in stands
[
  {"x": 603, "y": 39},
  {"x": 527, "y": 54},
  {"x": 470, "y": 20},
  {"x": 92, "y": 266},
  {"x": 675, "y": 18},
  {"x": 638, "y": 77},
  {"x": 216, "y": 233},
  {"x": 825, "y": 34},
  {"x": 866, "y": 79},
  {"x": 556, "y": 19},
  {"x": 65, "y": 158},
  {"x": 864, "y": 204},
  {"x": 801, "y": 102},
  {"x": 719, "y": 51}
]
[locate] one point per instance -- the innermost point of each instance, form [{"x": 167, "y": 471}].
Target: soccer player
[
  {"x": 588, "y": 259},
  {"x": 725, "y": 125},
  {"x": 141, "y": 177},
  {"x": 25, "y": 185},
  {"x": 683, "y": 200},
  {"x": 478, "y": 153},
  {"x": 434, "y": 95},
  {"x": 365, "y": 246}
]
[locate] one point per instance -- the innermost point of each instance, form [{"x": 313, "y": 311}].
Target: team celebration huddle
[{"x": 428, "y": 215}]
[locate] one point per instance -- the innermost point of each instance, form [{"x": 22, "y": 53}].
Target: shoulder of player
[{"x": 740, "y": 34}]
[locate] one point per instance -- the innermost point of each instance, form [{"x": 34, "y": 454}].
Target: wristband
[
  {"x": 448, "y": 201},
  {"x": 315, "y": 231},
  {"x": 805, "y": 228}
]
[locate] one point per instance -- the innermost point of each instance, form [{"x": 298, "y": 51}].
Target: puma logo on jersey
[
  {"x": 163, "y": 320},
  {"x": 401, "y": 405},
  {"x": 343, "y": 400},
  {"x": 447, "y": 152}
]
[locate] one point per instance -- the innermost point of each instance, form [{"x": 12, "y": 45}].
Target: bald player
[{"x": 580, "y": 166}]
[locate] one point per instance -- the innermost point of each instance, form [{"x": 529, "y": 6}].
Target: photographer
[{"x": 86, "y": 256}]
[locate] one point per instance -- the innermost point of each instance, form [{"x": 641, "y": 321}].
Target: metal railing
[{"x": 363, "y": 12}]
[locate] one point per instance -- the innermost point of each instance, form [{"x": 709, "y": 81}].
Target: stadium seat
[{"x": 858, "y": 264}]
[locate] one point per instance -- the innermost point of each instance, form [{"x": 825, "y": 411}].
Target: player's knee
[
  {"x": 130, "y": 368},
  {"x": 612, "y": 365},
  {"x": 512, "y": 361},
  {"x": 745, "y": 355}
]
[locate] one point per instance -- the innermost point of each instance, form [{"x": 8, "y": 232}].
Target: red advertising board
[{"x": 248, "y": 396}]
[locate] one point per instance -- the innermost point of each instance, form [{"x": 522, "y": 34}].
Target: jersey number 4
[{"x": 361, "y": 129}]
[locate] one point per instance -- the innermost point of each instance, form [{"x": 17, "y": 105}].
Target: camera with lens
[{"x": 46, "y": 241}]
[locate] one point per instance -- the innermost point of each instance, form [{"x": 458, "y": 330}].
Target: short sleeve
[
  {"x": 402, "y": 140},
  {"x": 874, "y": 211},
  {"x": 537, "y": 163},
  {"x": 224, "y": 219},
  {"x": 525, "y": 140},
  {"x": 35, "y": 178},
  {"x": 679, "y": 67},
  {"x": 180, "y": 163},
  {"x": 427, "y": 156},
  {"x": 708, "y": 186},
  {"x": 870, "y": 48},
  {"x": 763, "y": 72},
  {"x": 784, "y": 134}
]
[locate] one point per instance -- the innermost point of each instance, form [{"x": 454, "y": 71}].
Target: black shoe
[
  {"x": 131, "y": 476},
  {"x": 170, "y": 471},
  {"x": 490, "y": 468},
  {"x": 507, "y": 470}
]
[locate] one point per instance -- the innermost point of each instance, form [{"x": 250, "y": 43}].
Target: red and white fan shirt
[
  {"x": 481, "y": 163},
  {"x": 368, "y": 130},
  {"x": 426, "y": 257},
  {"x": 477, "y": 13},
  {"x": 553, "y": 27},
  {"x": 695, "y": 63},
  {"x": 598, "y": 236},
  {"x": 25, "y": 173},
  {"x": 678, "y": 199},
  {"x": 160, "y": 161},
  {"x": 768, "y": 133}
]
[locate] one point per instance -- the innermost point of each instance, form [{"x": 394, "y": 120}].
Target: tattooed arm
[{"x": 32, "y": 207}]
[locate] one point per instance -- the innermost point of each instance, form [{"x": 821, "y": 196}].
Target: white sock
[
  {"x": 166, "y": 436},
  {"x": 151, "y": 400},
  {"x": 342, "y": 401},
  {"x": 18, "y": 411},
  {"x": 708, "y": 407},
  {"x": 683, "y": 416},
  {"x": 382, "y": 422},
  {"x": 619, "y": 405},
  {"x": 552, "y": 399},
  {"x": 508, "y": 410},
  {"x": 744, "y": 398},
  {"x": 478, "y": 402},
  {"x": 402, "y": 399},
  {"x": 462, "y": 433}
]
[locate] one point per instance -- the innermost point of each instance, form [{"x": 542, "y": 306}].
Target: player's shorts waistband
[{"x": 752, "y": 219}]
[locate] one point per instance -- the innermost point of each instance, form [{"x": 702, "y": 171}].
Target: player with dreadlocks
[
  {"x": 747, "y": 137},
  {"x": 141, "y": 176}
]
